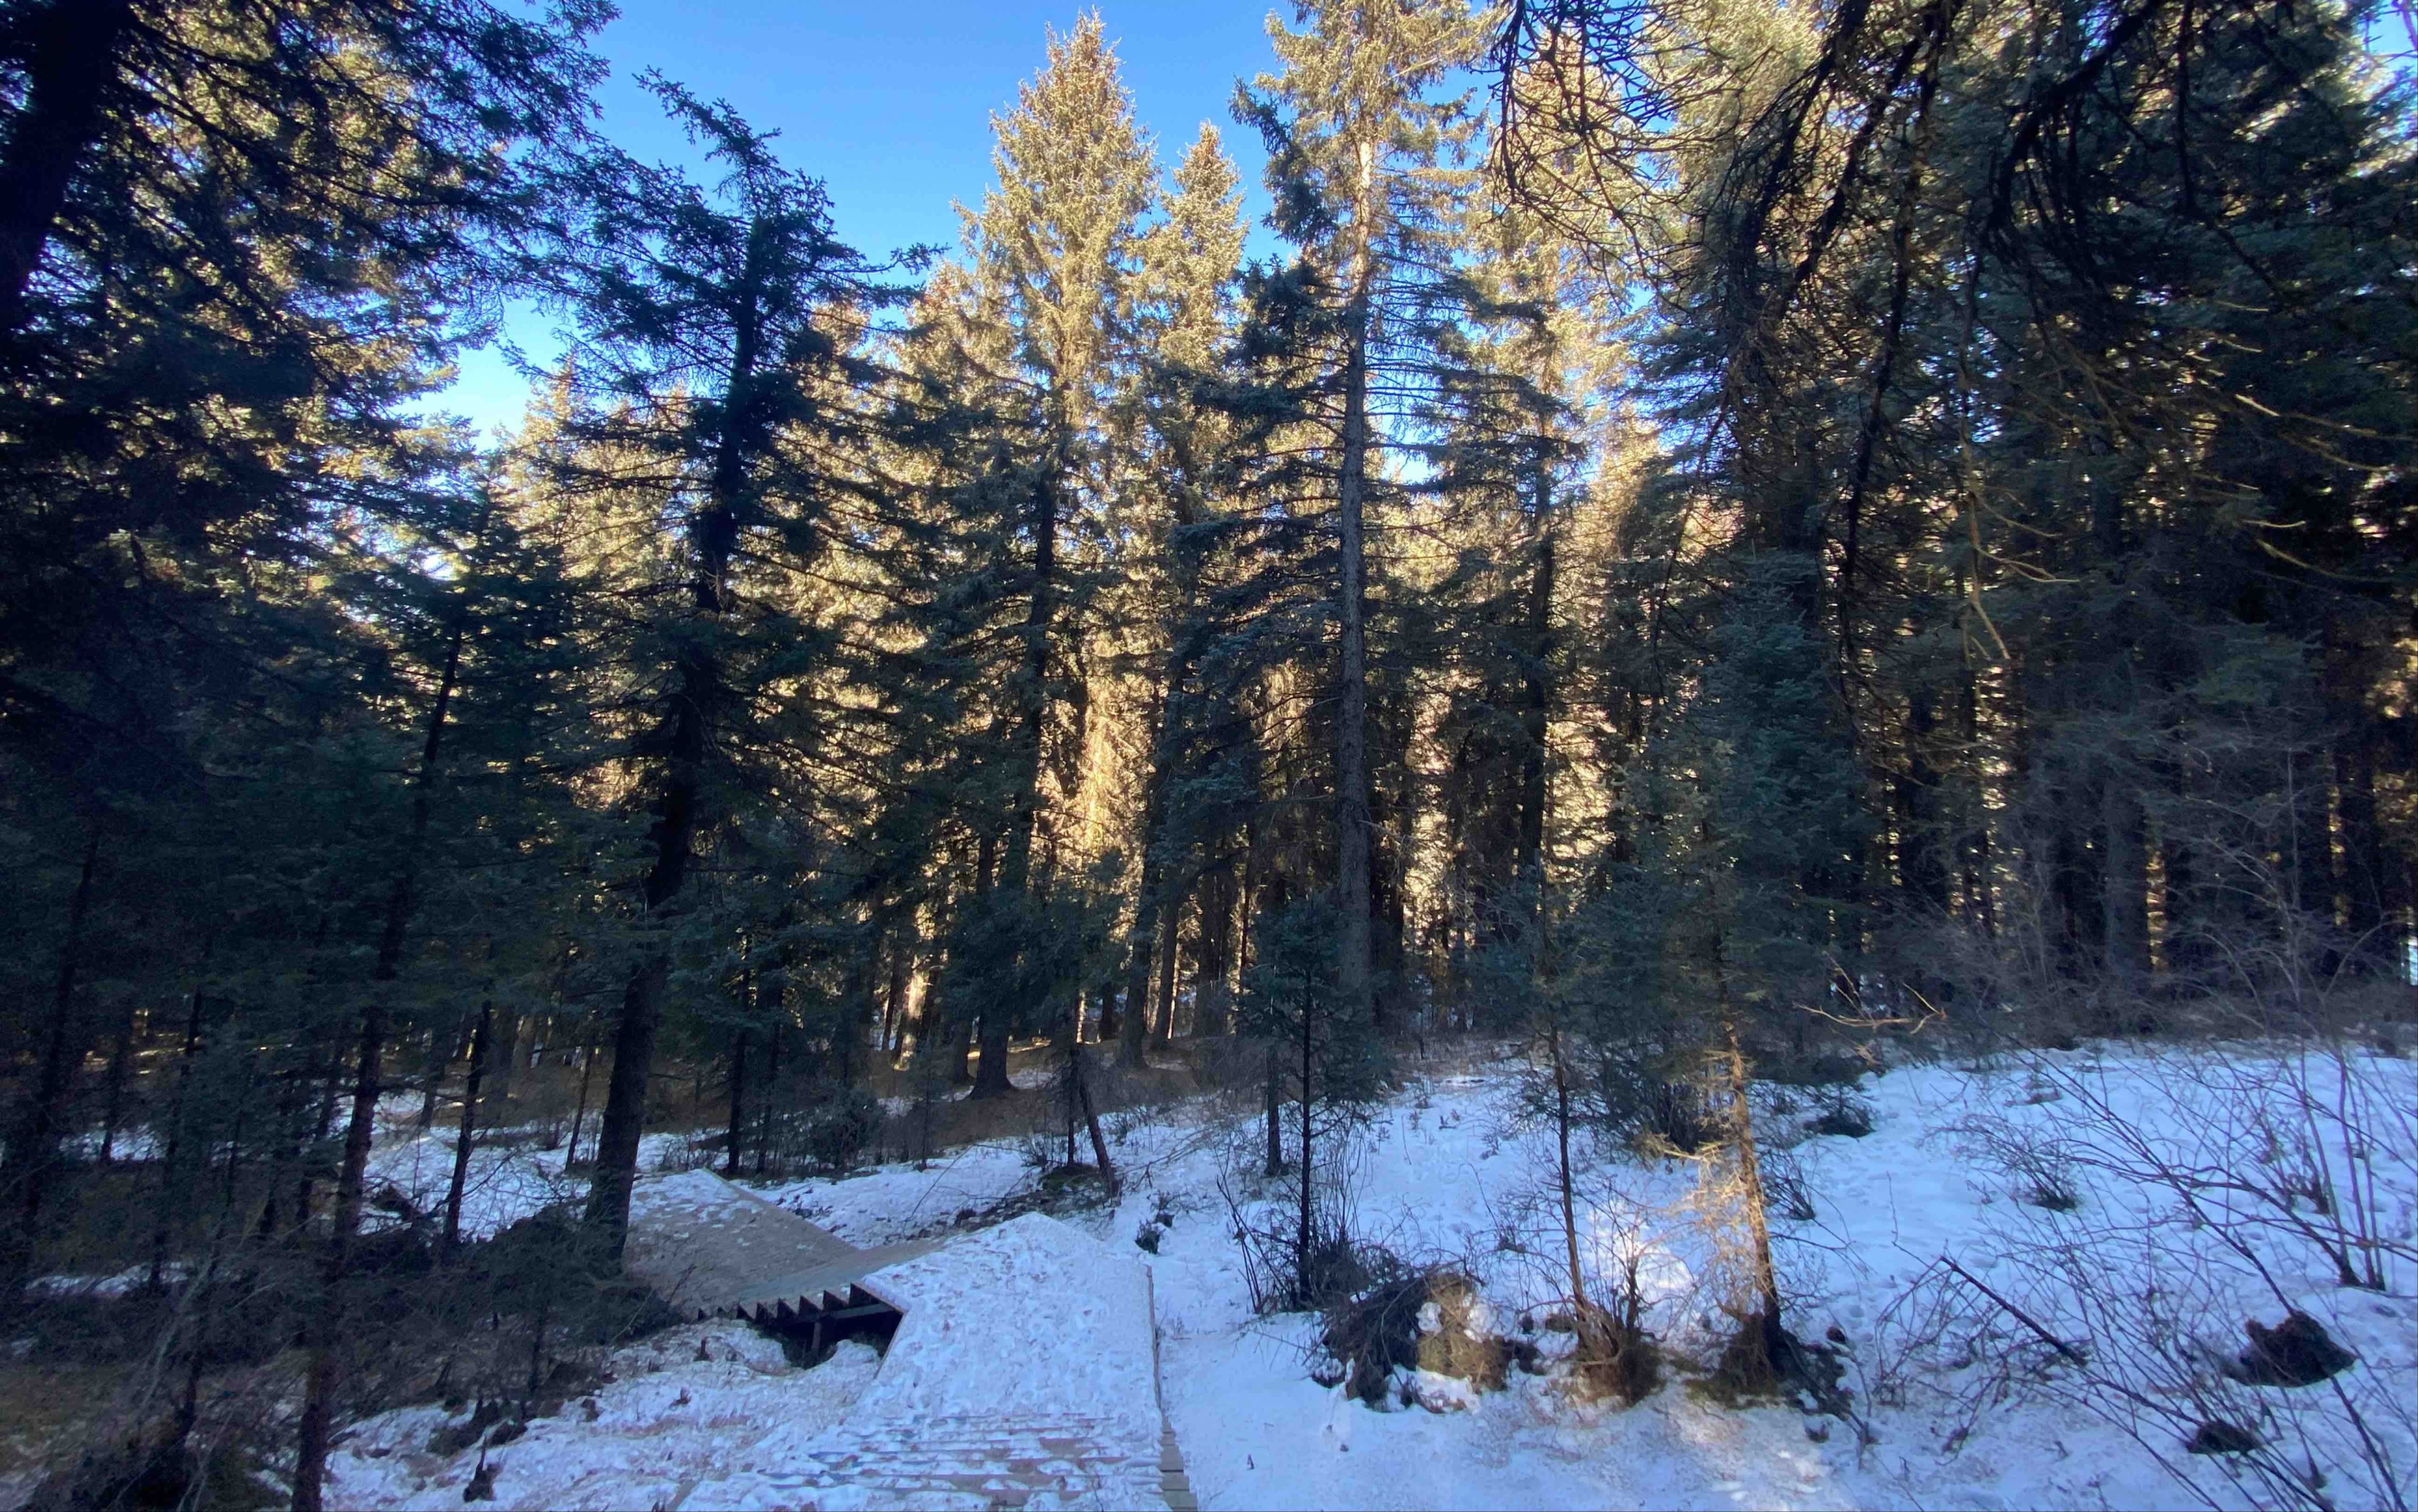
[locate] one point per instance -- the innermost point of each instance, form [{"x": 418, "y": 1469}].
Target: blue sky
[{"x": 889, "y": 103}]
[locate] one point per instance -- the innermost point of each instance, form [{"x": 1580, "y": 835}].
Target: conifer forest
[{"x": 1697, "y": 786}]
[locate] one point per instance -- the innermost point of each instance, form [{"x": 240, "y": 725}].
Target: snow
[
  {"x": 894, "y": 1203},
  {"x": 1447, "y": 1179},
  {"x": 666, "y": 1421},
  {"x": 1030, "y": 1311},
  {"x": 1024, "y": 1365},
  {"x": 123, "y": 1283},
  {"x": 1035, "y": 1330},
  {"x": 509, "y": 1176}
]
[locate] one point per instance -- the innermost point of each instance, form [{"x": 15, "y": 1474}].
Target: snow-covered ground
[
  {"x": 683, "y": 1405},
  {"x": 1958, "y": 1401}
]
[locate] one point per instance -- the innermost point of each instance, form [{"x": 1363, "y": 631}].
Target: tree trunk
[
  {"x": 958, "y": 1052},
  {"x": 1032, "y": 691},
  {"x": 1091, "y": 1115},
  {"x": 1302, "y": 1253},
  {"x": 1213, "y": 985},
  {"x": 1351, "y": 819},
  {"x": 1148, "y": 904},
  {"x": 479, "y": 1042},
  {"x": 35, "y": 1154},
  {"x": 1393, "y": 817},
  {"x": 2125, "y": 894},
  {"x": 170, "y": 1182},
  {"x": 1276, "y": 1115},
  {"x": 1569, "y": 1192},
  {"x": 1758, "y": 1222},
  {"x": 508, "y": 1052},
  {"x": 121, "y": 1062},
  {"x": 738, "y": 1099},
  {"x": 1922, "y": 868},
  {"x": 70, "y": 50},
  {"x": 772, "y": 1088},
  {"x": 990, "y": 1066},
  {"x": 321, "y": 1328},
  {"x": 1536, "y": 689},
  {"x": 579, "y": 1114},
  {"x": 1162, "y": 1026}
]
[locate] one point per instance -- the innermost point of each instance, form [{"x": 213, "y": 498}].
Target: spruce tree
[{"x": 712, "y": 364}]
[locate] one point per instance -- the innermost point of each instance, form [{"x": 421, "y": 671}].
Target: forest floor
[{"x": 2106, "y": 1199}]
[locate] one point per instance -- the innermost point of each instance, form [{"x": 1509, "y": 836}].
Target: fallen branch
[{"x": 2018, "y": 1313}]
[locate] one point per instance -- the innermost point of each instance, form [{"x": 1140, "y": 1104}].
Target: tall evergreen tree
[
  {"x": 1361, "y": 169},
  {"x": 713, "y": 365}
]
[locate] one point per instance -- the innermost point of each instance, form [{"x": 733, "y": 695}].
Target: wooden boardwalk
[{"x": 714, "y": 1248}]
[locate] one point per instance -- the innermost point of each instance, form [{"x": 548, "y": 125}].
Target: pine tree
[
  {"x": 1049, "y": 346},
  {"x": 711, "y": 366}
]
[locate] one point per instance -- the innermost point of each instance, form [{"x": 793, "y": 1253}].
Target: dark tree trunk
[
  {"x": 2124, "y": 889},
  {"x": 1308, "y": 1196},
  {"x": 508, "y": 1052},
  {"x": 34, "y": 1158},
  {"x": 1033, "y": 691},
  {"x": 772, "y": 1084},
  {"x": 738, "y": 1100},
  {"x": 1922, "y": 870},
  {"x": 478, "y": 1041},
  {"x": 579, "y": 1113},
  {"x": 70, "y": 51},
  {"x": 1393, "y": 817},
  {"x": 1537, "y": 688},
  {"x": 1162, "y": 1028},
  {"x": 1213, "y": 988},
  {"x": 958, "y": 1052},
  {"x": 121, "y": 1062},
  {"x": 1352, "y": 798},
  {"x": 170, "y": 1175},
  {"x": 1275, "y": 1114},
  {"x": 320, "y": 1330},
  {"x": 1083, "y": 1087},
  {"x": 1568, "y": 1189}
]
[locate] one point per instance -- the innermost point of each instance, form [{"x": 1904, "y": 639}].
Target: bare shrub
[
  {"x": 1616, "y": 1356},
  {"x": 2200, "y": 1167},
  {"x": 1845, "y": 1113},
  {"x": 2033, "y": 1161},
  {"x": 1784, "y": 1185}
]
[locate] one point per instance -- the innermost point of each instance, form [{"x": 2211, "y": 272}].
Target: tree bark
[
  {"x": 1107, "y": 1169},
  {"x": 1351, "y": 819},
  {"x": 1213, "y": 985},
  {"x": 1276, "y": 1115},
  {"x": 1758, "y": 1222},
  {"x": 479, "y": 1043},
  {"x": 1570, "y": 1191},
  {"x": 579, "y": 1114},
  {"x": 1032, "y": 690},
  {"x": 1162, "y": 1023},
  {"x": 1536, "y": 689},
  {"x": 738, "y": 1100}
]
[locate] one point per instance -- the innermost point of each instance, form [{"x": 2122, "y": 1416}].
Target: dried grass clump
[
  {"x": 1432, "y": 1320},
  {"x": 1615, "y": 1358}
]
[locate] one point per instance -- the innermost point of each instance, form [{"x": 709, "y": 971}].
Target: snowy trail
[{"x": 1021, "y": 1377}]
